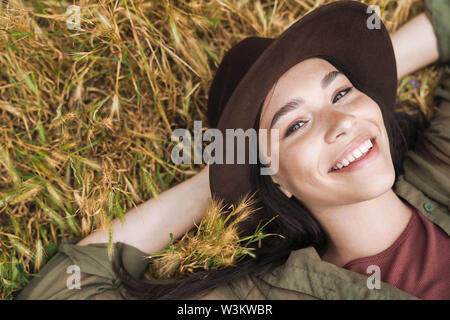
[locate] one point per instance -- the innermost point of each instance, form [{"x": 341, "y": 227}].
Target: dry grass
[
  {"x": 213, "y": 244},
  {"x": 86, "y": 116}
]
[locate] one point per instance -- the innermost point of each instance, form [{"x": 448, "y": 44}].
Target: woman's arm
[
  {"x": 148, "y": 226},
  {"x": 415, "y": 45}
]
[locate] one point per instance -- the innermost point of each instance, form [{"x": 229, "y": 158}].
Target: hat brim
[{"x": 338, "y": 30}]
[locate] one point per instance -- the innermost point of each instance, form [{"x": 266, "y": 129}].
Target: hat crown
[{"x": 235, "y": 64}]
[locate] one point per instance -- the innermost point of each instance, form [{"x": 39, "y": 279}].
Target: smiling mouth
[{"x": 358, "y": 154}]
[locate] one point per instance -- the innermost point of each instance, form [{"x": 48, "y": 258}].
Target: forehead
[{"x": 309, "y": 71}]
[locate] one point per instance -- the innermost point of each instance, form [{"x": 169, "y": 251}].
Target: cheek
[
  {"x": 376, "y": 117},
  {"x": 377, "y": 114},
  {"x": 299, "y": 162},
  {"x": 370, "y": 110}
]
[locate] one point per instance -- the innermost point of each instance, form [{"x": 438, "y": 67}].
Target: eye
[
  {"x": 340, "y": 94},
  {"x": 296, "y": 125}
]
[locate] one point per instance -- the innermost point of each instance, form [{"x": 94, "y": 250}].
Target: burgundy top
[{"x": 418, "y": 262}]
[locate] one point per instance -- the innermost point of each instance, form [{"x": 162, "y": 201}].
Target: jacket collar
[
  {"x": 305, "y": 272},
  {"x": 435, "y": 211}
]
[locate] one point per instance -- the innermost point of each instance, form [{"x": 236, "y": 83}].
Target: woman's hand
[
  {"x": 148, "y": 226},
  {"x": 415, "y": 45}
]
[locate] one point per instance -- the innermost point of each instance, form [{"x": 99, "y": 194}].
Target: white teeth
[
  {"x": 356, "y": 153},
  {"x": 363, "y": 148}
]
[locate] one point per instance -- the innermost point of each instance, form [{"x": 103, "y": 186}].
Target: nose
[{"x": 337, "y": 124}]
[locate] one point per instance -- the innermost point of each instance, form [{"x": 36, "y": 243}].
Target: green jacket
[{"x": 425, "y": 185}]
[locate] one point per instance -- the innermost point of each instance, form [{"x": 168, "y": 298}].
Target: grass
[
  {"x": 213, "y": 244},
  {"x": 85, "y": 116}
]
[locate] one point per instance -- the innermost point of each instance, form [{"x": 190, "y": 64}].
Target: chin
[{"x": 380, "y": 185}]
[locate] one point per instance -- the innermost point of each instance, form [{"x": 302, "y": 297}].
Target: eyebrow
[
  {"x": 297, "y": 102},
  {"x": 288, "y": 107},
  {"x": 329, "y": 78}
]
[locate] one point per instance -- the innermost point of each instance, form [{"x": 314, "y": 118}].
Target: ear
[{"x": 283, "y": 189}]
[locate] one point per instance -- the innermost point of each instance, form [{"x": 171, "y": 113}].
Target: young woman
[{"x": 339, "y": 209}]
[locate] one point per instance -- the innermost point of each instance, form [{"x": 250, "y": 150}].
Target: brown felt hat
[{"x": 338, "y": 31}]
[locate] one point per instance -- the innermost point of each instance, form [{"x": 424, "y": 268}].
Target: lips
[{"x": 356, "y": 149}]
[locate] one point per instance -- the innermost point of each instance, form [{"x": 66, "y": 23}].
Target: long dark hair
[{"x": 295, "y": 223}]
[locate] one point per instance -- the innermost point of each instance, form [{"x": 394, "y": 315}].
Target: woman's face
[{"x": 324, "y": 129}]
